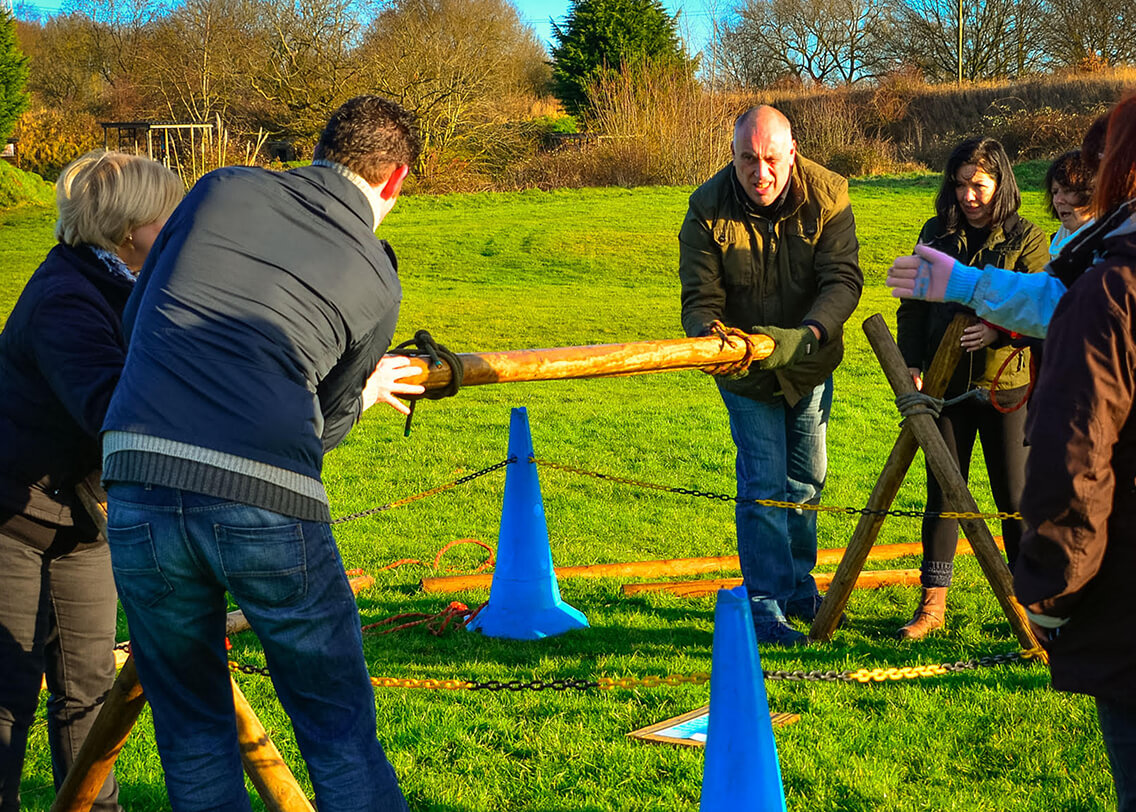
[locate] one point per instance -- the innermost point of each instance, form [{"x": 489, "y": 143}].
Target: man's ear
[{"x": 393, "y": 185}]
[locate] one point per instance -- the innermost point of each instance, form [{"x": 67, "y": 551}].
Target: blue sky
[{"x": 694, "y": 23}]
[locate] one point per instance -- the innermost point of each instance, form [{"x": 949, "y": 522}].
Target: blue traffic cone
[
  {"x": 741, "y": 770},
  {"x": 524, "y": 600}
]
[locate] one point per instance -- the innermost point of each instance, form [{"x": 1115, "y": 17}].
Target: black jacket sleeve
[
  {"x": 79, "y": 351},
  {"x": 340, "y": 392}
]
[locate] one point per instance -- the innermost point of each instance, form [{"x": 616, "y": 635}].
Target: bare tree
[
  {"x": 458, "y": 64},
  {"x": 818, "y": 41},
  {"x": 999, "y": 38},
  {"x": 1082, "y": 31}
]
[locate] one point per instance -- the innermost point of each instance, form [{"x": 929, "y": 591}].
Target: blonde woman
[{"x": 61, "y": 353}]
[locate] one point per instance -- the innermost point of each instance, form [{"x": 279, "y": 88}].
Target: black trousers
[
  {"x": 57, "y": 619},
  {"x": 1003, "y": 446}
]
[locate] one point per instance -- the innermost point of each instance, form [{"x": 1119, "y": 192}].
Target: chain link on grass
[
  {"x": 862, "y": 676},
  {"x": 438, "y": 489},
  {"x": 775, "y": 503}
]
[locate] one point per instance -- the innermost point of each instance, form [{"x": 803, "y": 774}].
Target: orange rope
[
  {"x": 436, "y": 624},
  {"x": 484, "y": 565}
]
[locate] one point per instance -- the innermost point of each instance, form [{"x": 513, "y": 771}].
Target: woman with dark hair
[
  {"x": 1075, "y": 569},
  {"x": 1068, "y": 189},
  {"x": 976, "y": 223},
  {"x": 61, "y": 353}
]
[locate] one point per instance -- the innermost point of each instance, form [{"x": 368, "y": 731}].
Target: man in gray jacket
[
  {"x": 769, "y": 246},
  {"x": 257, "y": 331}
]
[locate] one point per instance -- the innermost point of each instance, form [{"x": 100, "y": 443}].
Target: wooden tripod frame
[{"x": 920, "y": 431}]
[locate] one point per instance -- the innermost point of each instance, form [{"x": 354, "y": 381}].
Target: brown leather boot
[{"x": 929, "y": 616}]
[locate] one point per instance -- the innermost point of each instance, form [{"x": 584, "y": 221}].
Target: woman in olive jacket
[
  {"x": 977, "y": 223},
  {"x": 61, "y": 352}
]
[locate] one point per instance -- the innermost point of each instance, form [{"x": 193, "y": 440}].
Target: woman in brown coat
[{"x": 1074, "y": 571}]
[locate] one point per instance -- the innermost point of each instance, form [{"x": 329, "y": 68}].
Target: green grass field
[{"x": 535, "y": 269}]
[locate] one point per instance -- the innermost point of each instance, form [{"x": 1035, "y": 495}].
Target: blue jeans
[
  {"x": 781, "y": 455},
  {"x": 1118, "y": 728},
  {"x": 175, "y": 554}
]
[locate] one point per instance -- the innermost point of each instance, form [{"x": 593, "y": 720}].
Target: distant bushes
[{"x": 18, "y": 188}]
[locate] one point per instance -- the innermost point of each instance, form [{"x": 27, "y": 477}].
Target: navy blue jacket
[
  {"x": 264, "y": 305},
  {"x": 61, "y": 352}
]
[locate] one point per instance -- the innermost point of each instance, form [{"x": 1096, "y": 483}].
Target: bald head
[{"x": 764, "y": 153}]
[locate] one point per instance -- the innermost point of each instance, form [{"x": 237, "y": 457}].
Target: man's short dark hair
[
  {"x": 371, "y": 136},
  {"x": 989, "y": 156},
  {"x": 1070, "y": 171}
]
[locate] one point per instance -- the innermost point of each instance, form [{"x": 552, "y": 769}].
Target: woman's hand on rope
[
  {"x": 924, "y": 275},
  {"x": 385, "y": 384},
  {"x": 977, "y": 336}
]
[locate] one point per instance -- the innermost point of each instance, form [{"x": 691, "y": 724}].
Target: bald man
[{"x": 769, "y": 246}]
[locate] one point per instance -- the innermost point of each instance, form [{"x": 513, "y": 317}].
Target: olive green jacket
[
  {"x": 1017, "y": 245},
  {"x": 746, "y": 270}
]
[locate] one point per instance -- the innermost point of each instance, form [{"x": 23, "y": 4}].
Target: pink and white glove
[{"x": 923, "y": 275}]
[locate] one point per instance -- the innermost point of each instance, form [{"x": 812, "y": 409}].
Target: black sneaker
[{"x": 778, "y": 633}]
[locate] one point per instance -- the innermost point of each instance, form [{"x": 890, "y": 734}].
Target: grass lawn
[{"x": 536, "y": 269}]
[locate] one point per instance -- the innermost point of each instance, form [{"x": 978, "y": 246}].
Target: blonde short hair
[{"x": 102, "y": 196}]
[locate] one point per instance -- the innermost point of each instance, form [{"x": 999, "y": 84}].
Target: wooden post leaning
[
  {"x": 956, "y": 495},
  {"x": 887, "y": 487},
  {"x": 595, "y": 361},
  {"x": 262, "y": 761}
]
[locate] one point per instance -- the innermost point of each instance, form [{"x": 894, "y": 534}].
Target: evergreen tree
[
  {"x": 13, "y": 76},
  {"x": 607, "y": 35}
]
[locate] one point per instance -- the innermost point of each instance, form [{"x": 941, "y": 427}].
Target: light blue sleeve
[{"x": 1021, "y": 302}]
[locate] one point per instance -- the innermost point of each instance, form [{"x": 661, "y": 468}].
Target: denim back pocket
[
  {"x": 266, "y": 565},
  {"x": 135, "y": 564}
]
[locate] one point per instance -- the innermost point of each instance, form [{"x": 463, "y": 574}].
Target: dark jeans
[
  {"x": 1118, "y": 727},
  {"x": 175, "y": 555},
  {"x": 1003, "y": 447},
  {"x": 781, "y": 456},
  {"x": 57, "y": 618}
]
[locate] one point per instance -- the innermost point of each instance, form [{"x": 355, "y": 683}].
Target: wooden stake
[
  {"x": 956, "y": 496},
  {"x": 595, "y": 361},
  {"x": 887, "y": 487},
  {"x": 872, "y": 579},
  {"x": 266, "y": 769}
]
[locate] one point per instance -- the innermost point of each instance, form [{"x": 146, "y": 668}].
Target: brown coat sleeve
[{"x": 1082, "y": 403}]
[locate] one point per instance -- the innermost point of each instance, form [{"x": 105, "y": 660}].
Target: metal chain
[
  {"x": 862, "y": 676},
  {"x": 776, "y": 503},
  {"x": 439, "y": 489}
]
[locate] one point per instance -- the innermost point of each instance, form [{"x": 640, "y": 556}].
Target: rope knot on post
[
  {"x": 733, "y": 369},
  {"x": 423, "y": 345},
  {"x": 913, "y": 403}
]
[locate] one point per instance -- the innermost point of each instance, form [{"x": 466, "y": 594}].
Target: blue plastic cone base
[
  {"x": 524, "y": 600},
  {"x": 741, "y": 770}
]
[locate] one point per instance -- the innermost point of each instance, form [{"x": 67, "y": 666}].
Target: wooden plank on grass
[{"x": 872, "y": 579}]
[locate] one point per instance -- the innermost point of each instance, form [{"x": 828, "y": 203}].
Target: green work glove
[{"x": 793, "y": 344}]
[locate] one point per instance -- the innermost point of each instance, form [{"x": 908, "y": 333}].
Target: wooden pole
[
  {"x": 266, "y": 769},
  {"x": 108, "y": 734},
  {"x": 596, "y": 361},
  {"x": 872, "y": 579},
  {"x": 673, "y": 566},
  {"x": 956, "y": 496},
  {"x": 887, "y": 487}
]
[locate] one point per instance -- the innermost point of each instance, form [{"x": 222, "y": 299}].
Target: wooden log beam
[
  {"x": 887, "y": 488},
  {"x": 263, "y": 763},
  {"x": 595, "y": 361},
  {"x": 673, "y": 566},
  {"x": 872, "y": 579},
  {"x": 100, "y": 749},
  {"x": 956, "y": 495}
]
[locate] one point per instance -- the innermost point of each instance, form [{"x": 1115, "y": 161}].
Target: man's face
[{"x": 763, "y": 160}]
